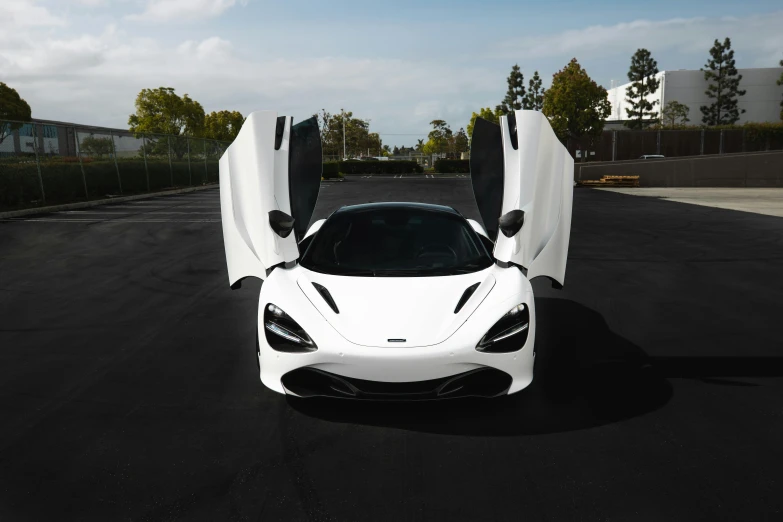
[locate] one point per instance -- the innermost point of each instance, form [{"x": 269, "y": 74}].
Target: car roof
[{"x": 364, "y": 207}]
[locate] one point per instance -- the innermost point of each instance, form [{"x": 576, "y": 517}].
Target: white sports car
[{"x": 396, "y": 301}]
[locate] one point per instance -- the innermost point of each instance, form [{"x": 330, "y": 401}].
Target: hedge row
[
  {"x": 371, "y": 167},
  {"x": 452, "y": 166},
  {"x": 63, "y": 181},
  {"x": 754, "y": 131}
]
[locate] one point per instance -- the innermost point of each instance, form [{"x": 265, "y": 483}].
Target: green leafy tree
[
  {"x": 534, "y": 99},
  {"x": 515, "y": 93},
  {"x": 357, "y": 136},
  {"x": 485, "y": 114},
  {"x": 419, "y": 146},
  {"x": 12, "y": 107},
  {"x": 461, "y": 143},
  {"x": 223, "y": 125},
  {"x": 721, "y": 73},
  {"x": 396, "y": 151},
  {"x": 162, "y": 111},
  {"x": 386, "y": 151},
  {"x": 780, "y": 82},
  {"x": 575, "y": 105},
  {"x": 643, "y": 84},
  {"x": 98, "y": 147},
  {"x": 439, "y": 140},
  {"x": 675, "y": 113}
]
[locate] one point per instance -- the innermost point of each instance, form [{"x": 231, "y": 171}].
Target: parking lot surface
[
  {"x": 128, "y": 386},
  {"x": 768, "y": 201}
]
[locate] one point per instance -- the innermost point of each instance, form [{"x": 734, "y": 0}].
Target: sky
[{"x": 399, "y": 64}]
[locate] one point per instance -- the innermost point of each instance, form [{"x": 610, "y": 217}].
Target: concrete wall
[
  {"x": 761, "y": 101},
  {"x": 759, "y": 169}
]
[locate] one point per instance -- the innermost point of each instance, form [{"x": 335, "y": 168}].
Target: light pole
[{"x": 342, "y": 113}]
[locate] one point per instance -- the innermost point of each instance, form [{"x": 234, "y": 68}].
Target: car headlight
[
  {"x": 509, "y": 333},
  {"x": 284, "y": 334}
]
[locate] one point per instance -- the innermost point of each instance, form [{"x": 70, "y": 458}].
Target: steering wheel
[{"x": 436, "y": 249}]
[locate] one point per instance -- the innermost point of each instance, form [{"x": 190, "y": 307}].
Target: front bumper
[
  {"x": 390, "y": 366},
  {"x": 312, "y": 382}
]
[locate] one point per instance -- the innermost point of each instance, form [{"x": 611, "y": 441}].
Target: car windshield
[{"x": 404, "y": 242}]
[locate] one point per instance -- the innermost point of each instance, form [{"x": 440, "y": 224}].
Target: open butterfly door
[
  {"x": 523, "y": 182},
  {"x": 269, "y": 181}
]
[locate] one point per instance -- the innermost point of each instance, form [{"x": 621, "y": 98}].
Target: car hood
[{"x": 414, "y": 311}]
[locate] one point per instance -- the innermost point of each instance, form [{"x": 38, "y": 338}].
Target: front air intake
[
  {"x": 465, "y": 296},
  {"x": 327, "y": 297}
]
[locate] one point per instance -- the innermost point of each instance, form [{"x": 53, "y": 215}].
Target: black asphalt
[{"x": 128, "y": 388}]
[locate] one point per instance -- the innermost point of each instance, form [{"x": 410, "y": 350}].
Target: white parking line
[
  {"x": 155, "y": 212},
  {"x": 72, "y": 220}
]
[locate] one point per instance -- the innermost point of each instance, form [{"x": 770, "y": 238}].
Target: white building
[{"x": 761, "y": 101}]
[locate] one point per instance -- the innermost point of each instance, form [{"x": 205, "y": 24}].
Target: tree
[
  {"x": 354, "y": 130},
  {"x": 780, "y": 82},
  {"x": 724, "y": 86},
  {"x": 223, "y": 125},
  {"x": 461, "y": 141},
  {"x": 386, "y": 150},
  {"x": 485, "y": 114},
  {"x": 396, "y": 151},
  {"x": 99, "y": 147},
  {"x": 12, "y": 107},
  {"x": 515, "y": 93},
  {"x": 643, "y": 83},
  {"x": 439, "y": 138},
  {"x": 420, "y": 145},
  {"x": 162, "y": 111},
  {"x": 575, "y": 105},
  {"x": 674, "y": 111},
  {"x": 534, "y": 99}
]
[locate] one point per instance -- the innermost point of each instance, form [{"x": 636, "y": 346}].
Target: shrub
[
  {"x": 379, "y": 167},
  {"x": 452, "y": 166},
  {"x": 63, "y": 181},
  {"x": 331, "y": 170}
]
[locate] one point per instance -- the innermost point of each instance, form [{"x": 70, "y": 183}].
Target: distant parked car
[{"x": 652, "y": 156}]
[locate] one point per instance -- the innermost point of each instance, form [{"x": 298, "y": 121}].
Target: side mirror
[
  {"x": 281, "y": 223},
  {"x": 511, "y": 222}
]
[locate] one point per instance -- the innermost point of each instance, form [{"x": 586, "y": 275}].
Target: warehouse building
[{"x": 761, "y": 101}]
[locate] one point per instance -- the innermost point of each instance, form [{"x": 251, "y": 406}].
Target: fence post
[
  {"x": 116, "y": 165},
  {"x": 658, "y": 143},
  {"x": 720, "y": 147},
  {"x": 190, "y": 176},
  {"x": 171, "y": 169},
  {"x": 144, "y": 153},
  {"x": 614, "y": 145},
  {"x": 701, "y": 150},
  {"x": 206, "y": 171},
  {"x": 81, "y": 165},
  {"x": 38, "y": 161}
]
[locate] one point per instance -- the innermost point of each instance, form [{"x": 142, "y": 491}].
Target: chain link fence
[
  {"x": 46, "y": 164},
  {"x": 618, "y": 145}
]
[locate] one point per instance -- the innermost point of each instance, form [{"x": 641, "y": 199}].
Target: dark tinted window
[{"x": 396, "y": 242}]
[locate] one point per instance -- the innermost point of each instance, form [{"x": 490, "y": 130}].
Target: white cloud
[
  {"x": 21, "y": 14},
  {"x": 758, "y": 36},
  {"x": 172, "y": 10}
]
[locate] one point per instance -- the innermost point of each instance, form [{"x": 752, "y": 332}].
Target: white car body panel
[
  {"x": 539, "y": 180},
  {"x": 396, "y": 363},
  {"x": 253, "y": 181}
]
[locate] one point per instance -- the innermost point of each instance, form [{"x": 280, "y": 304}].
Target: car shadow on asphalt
[{"x": 586, "y": 376}]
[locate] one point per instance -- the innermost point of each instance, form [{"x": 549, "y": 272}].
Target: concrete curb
[{"x": 98, "y": 202}]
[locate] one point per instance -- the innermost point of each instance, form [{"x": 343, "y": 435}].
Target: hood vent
[
  {"x": 465, "y": 296},
  {"x": 327, "y": 297}
]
